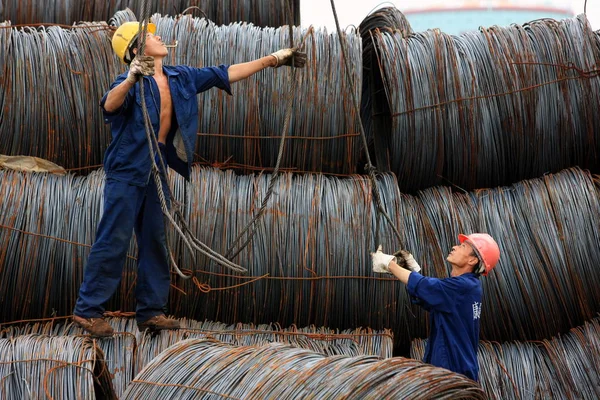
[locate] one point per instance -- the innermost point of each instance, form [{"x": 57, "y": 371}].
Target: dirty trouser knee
[
  {"x": 153, "y": 279},
  {"x": 103, "y": 271}
]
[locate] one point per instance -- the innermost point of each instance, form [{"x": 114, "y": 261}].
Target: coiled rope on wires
[{"x": 370, "y": 169}]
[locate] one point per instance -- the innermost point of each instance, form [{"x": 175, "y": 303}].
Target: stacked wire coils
[
  {"x": 53, "y": 79},
  {"x": 261, "y": 13},
  {"x": 490, "y": 107},
  {"x": 300, "y": 268}
]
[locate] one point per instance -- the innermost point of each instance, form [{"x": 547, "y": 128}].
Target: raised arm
[{"x": 290, "y": 57}]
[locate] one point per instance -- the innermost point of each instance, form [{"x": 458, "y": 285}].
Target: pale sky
[{"x": 352, "y": 12}]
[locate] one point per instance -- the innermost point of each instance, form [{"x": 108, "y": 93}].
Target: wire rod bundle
[
  {"x": 40, "y": 367},
  {"x": 262, "y": 13},
  {"x": 560, "y": 368},
  {"x": 309, "y": 263},
  {"x": 129, "y": 351},
  {"x": 490, "y": 107},
  {"x": 387, "y": 19},
  {"x": 71, "y": 69},
  {"x": 205, "y": 369}
]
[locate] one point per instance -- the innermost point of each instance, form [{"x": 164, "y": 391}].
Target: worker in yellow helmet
[
  {"x": 454, "y": 303},
  {"x": 131, "y": 201}
]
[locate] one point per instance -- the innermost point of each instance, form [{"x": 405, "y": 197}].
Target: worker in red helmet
[
  {"x": 131, "y": 198},
  {"x": 454, "y": 303}
]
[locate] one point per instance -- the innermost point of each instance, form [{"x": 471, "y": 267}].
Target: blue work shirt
[
  {"x": 127, "y": 158},
  {"x": 454, "y": 306}
]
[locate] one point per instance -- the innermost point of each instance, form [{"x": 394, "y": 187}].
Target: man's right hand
[
  {"x": 141, "y": 65},
  {"x": 290, "y": 57},
  {"x": 410, "y": 261}
]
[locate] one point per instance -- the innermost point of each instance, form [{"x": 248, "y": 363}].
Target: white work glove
[
  {"x": 381, "y": 261},
  {"x": 410, "y": 261},
  {"x": 141, "y": 65},
  {"x": 285, "y": 57}
]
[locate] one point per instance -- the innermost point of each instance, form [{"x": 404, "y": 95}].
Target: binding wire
[
  {"x": 558, "y": 368},
  {"x": 300, "y": 268},
  {"x": 128, "y": 351},
  {"x": 490, "y": 107},
  {"x": 261, "y": 13},
  {"x": 72, "y": 68},
  {"x": 203, "y": 368}
]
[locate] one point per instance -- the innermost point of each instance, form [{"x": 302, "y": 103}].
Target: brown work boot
[
  {"x": 158, "y": 323},
  {"x": 95, "y": 326}
]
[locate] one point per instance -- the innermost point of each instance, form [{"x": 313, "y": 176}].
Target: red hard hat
[{"x": 486, "y": 248}]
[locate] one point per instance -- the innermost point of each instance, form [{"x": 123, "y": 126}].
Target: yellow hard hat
[{"x": 125, "y": 35}]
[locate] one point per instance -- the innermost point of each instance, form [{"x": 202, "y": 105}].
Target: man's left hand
[{"x": 290, "y": 57}]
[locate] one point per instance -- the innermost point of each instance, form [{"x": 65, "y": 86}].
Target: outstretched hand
[{"x": 290, "y": 57}]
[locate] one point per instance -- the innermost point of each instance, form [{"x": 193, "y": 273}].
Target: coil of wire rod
[
  {"x": 71, "y": 69},
  {"x": 198, "y": 368},
  {"x": 38, "y": 366},
  {"x": 490, "y": 107},
  {"x": 559, "y": 368},
  {"x": 300, "y": 269},
  {"x": 129, "y": 350},
  {"x": 261, "y": 13},
  {"x": 387, "y": 19}
]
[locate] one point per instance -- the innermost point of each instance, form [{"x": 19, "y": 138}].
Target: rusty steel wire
[
  {"x": 72, "y": 68},
  {"x": 207, "y": 369},
  {"x": 489, "y": 107},
  {"x": 386, "y": 19},
  {"x": 46, "y": 367},
  {"x": 261, "y": 13},
  {"x": 558, "y": 368},
  {"x": 310, "y": 262},
  {"x": 128, "y": 351}
]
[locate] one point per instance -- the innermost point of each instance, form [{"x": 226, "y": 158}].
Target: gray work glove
[
  {"x": 381, "y": 261},
  {"x": 285, "y": 57},
  {"x": 410, "y": 261},
  {"x": 141, "y": 65}
]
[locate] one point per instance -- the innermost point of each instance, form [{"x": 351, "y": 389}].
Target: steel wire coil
[
  {"x": 387, "y": 19},
  {"x": 309, "y": 263},
  {"x": 66, "y": 12},
  {"x": 129, "y": 351},
  {"x": 562, "y": 367},
  {"x": 487, "y": 108},
  {"x": 39, "y": 367},
  {"x": 54, "y": 78},
  {"x": 204, "y": 369}
]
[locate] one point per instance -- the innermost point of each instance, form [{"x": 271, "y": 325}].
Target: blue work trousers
[{"x": 127, "y": 207}]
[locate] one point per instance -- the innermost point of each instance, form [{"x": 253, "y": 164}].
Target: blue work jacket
[
  {"x": 454, "y": 306},
  {"x": 127, "y": 157}
]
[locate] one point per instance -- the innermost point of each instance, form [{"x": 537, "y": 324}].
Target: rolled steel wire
[
  {"x": 567, "y": 366},
  {"x": 490, "y": 107},
  {"x": 40, "y": 367},
  {"x": 261, "y": 13},
  {"x": 71, "y": 69},
  {"x": 387, "y": 19},
  {"x": 207, "y": 369},
  {"x": 129, "y": 350},
  {"x": 309, "y": 263}
]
